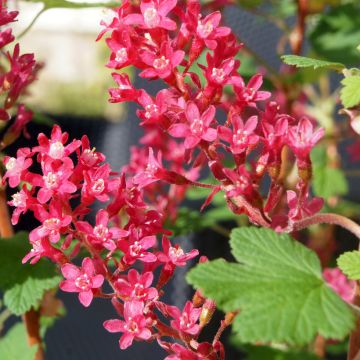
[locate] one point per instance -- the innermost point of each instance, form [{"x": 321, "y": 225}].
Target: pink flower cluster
[
  {"x": 17, "y": 72},
  {"x": 182, "y": 123},
  {"x": 183, "y": 130},
  {"x": 125, "y": 235}
]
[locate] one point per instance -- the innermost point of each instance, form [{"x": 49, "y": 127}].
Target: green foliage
[
  {"x": 337, "y": 34},
  {"x": 23, "y": 285},
  {"x": 278, "y": 288},
  {"x": 303, "y": 62},
  {"x": 327, "y": 181},
  {"x": 14, "y": 346},
  {"x": 349, "y": 263},
  {"x": 268, "y": 353},
  {"x": 350, "y": 93}
]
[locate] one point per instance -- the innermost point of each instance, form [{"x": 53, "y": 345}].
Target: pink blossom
[
  {"x": 125, "y": 90},
  {"x": 98, "y": 184},
  {"x": 242, "y": 137},
  {"x": 302, "y": 138},
  {"x": 209, "y": 31},
  {"x": 101, "y": 234},
  {"x": 135, "y": 248},
  {"x": 53, "y": 222},
  {"x": 22, "y": 201},
  {"x": 185, "y": 321},
  {"x": 162, "y": 64},
  {"x": 153, "y": 15},
  {"x": 250, "y": 94},
  {"x": 137, "y": 286},
  {"x": 16, "y": 167},
  {"x": 339, "y": 283},
  {"x": 54, "y": 147},
  {"x": 83, "y": 280},
  {"x": 174, "y": 255},
  {"x": 198, "y": 126},
  {"x": 303, "y": 207},
  {"x": 55, "y": 180},
  {"x": 134, "y": 326}
]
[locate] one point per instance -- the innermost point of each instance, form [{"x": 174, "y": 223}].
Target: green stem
[{"x": 31, "y": 23}]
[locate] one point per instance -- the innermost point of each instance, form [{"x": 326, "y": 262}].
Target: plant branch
[{"x": 328, "y": 218}]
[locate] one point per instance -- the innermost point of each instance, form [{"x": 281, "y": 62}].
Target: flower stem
[{"x": 328, "y": 218}]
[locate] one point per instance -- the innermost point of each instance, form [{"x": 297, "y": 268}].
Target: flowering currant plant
[{"x": 273, "y": 167}]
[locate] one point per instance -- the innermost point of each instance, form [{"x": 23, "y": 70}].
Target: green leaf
[
  {"x": 278, "y": 288},
  {"x": 23, "y": 285},
  {"x": 303, "y": 62},
  {"x": 337, "y": 33},
  {"x": 349, "y": 263},
  {"x": 350, "y": 93},
  {"x": 14, "y": 345},
  {"x": 268, "y": 353},
  {"x": 329, "y": 182}
]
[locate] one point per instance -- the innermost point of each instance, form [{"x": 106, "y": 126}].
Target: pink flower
[
  {"x": 82, "y": 280},
  {"x": 174, "y": 255},
  {"x": 22, "y": 201},
  {"x": 198, "y": 127},
  {"x": 101, "y": 234},
  {"x": 16, "y": 167},
  {"x": 98, "y": 184},
  {"x": 302, "y": 138},
  {"x": 250, "y": 94},
  {"x": 125, "y": 90},
  {"x": 220, "y": 74},
  {"x": 134, "y": 326},
  {"x": 185, "y": 321},
  {"x": 153, "y": 15},
  {"x": 42, "y": 248},
  {"x": 137, "y": 287},
  {"x": 209, "y": 31},
  {"x": 54, "y": 147},
  {"x": 152, "y": 172},
  {"x": 304, "y": 207},
  {"x": 339, "y": 283},
  {"x": 54, "y": 180},
  {"x": 161, "y": 64},
  {"x": 54, "y": 222},
  {"x": 242, "y": 137},
  {"x": 135, "y": 248}
]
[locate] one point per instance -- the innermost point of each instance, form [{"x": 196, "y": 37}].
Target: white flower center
[
  {"x": 98, "y": 186},
  {"x": 52, "y": 223},
  {"x": 83, "y": 282},
  {"x": 151, "y": 17},
  {"x": 51, "y": 180},
  {"x": 121, "y": 55},
  {"x": 56, "y": 150},
  {"x": 197, "y": 127},
  {"x": 101, "y": 232},
  {"x": 161, "y": 63},
  {"x": 19, "y": 199},
  {"x": 176, "y": 252},
  {"x": 10, "y": 163},
  {"x": 218, "y": 75},
  {"x": 152, "y": 110},
  {"x": 204, "y": 30},
  {"x": 135, "y": 249}
]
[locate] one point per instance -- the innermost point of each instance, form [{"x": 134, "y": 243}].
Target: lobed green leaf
[{"x": 278, "y": 287}]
